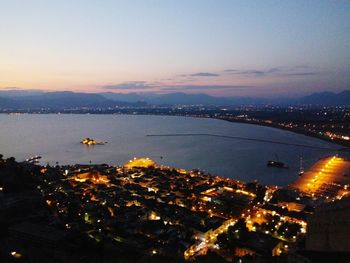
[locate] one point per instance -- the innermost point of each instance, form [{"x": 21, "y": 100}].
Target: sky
[{"x": 219, "y": 47}]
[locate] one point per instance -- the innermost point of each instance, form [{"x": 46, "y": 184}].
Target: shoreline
[
  {"x": 312, "y": 135},
  {"x": 345, "y": 145}
]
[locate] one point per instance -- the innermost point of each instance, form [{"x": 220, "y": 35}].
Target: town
[{"x": 145, "y": 211}]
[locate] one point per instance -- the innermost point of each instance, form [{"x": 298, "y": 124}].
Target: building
[{"x": 329, "y": 228}]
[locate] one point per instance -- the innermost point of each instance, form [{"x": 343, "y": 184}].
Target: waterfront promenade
[{"x": 326, "y": 178}]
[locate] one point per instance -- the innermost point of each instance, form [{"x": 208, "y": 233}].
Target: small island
[{"x": 89, "y": 141}]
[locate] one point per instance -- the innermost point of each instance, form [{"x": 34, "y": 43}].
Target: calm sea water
[{"x": 56, "y": 138}]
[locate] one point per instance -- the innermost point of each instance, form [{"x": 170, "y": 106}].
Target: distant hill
[
  {"x": 180, "y": 98},
  {"x": 21, "y": 99},
  {"x": 327, "y": 99},
  {"x": 316, "y": 99},
  {"x": 15, "y": 93},
  {"x": 187, "y": 99},
  {"x": 127, "y": 97},
  {"x": 6, "y": 102},
  {"x": 59, "y": 100}
]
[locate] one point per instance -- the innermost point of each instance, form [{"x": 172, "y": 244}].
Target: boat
[
  {"x": 301, "y": 170},
  {"x": 89, "y": 141},
  {"x": 276, "y": 163},
  {"x": 34, "y": 159}
]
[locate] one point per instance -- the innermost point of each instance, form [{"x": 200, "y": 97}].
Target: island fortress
[{"x": 89, "y": 141}]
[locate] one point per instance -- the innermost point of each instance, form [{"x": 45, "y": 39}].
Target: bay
[{"x": 56, "y": 137}]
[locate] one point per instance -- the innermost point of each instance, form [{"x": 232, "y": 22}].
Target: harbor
[{"x": 325, "y": 179}]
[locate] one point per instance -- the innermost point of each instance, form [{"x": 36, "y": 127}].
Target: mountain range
[
  {"x": 36, "y": 99},
  {"x": 57, "y": 100}
]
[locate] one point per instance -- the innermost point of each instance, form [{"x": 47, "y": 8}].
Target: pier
[{"x": 327, "y": 178}]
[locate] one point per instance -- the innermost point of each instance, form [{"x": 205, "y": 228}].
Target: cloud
[
  {"x": 20, "y": 89},
  {"x": 230, "y": 70},
  {"x": 203, "y": 87},
  {"x": 277, "y": 71},
  {"x": 302, "y": 67},
  {"x": 303, "y": 74},
  {"x": 130, "y": 85},
  {"x": 204, "y": 74},
  {"x": 174, "y": 86},
  {"x": 253, "y": 72}
]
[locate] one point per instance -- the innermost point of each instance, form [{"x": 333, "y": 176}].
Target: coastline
[
  {"x": 309, "y": 134},
  {"x": 341, "y": 143}
]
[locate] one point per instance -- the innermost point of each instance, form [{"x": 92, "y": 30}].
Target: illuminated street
[{"x": 208, "y": 240}]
